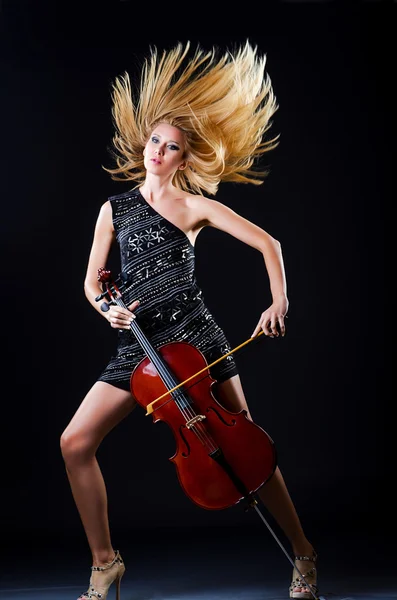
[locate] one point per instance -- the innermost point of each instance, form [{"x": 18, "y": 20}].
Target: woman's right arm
[{"x": 104, "y": 237}]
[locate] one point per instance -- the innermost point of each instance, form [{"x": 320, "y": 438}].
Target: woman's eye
[
  {"x": 155, "y": 140},
  {"x": 172, "y": 147}
]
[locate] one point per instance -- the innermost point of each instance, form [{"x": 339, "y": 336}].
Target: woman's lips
[{"x": 155, "y": 160}]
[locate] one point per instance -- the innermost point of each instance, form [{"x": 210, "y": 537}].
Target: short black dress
[{"x": 158, "y": 259}]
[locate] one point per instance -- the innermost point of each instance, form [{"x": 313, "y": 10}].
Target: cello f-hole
[
  {"x": 186, "y": 452},
  {"x": 232, "y": 422}
]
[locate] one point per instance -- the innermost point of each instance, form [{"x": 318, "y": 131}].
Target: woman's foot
[
  {"x": 305, "y": 565},
  {"x": 103, "y": 577}
]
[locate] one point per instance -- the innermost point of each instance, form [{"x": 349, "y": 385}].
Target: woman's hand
[
  {"x": 272, "y": 321},
  {"x": 120, "y": 318}
]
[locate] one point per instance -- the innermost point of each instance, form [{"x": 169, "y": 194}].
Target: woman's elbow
[
  {"x": 270, "y": 242},
  {"x": 88, "y": 288}
]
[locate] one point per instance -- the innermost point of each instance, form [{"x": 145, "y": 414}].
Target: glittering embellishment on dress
[{"x": 158, "y": 259}]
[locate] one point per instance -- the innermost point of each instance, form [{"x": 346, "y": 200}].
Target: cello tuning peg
[
  {"x": 100, "y": 296},
  {"x": 104, "y": 307}
]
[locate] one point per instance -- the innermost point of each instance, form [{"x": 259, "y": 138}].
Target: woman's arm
[
  {"x": 104, "y": 236},
  {"x": 221, "y": 217},
  {"x": 101, "y": 245}
]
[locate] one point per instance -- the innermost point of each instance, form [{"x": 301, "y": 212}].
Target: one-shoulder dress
[{"x": 158, "y": 262}]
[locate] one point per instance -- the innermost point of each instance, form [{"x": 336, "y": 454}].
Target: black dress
[{"x": 158, "y": 259}]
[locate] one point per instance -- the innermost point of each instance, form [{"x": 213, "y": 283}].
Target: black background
[{"x": 321, "y": 392}]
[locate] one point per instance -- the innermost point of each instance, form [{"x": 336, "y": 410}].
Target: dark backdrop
[{"x": 321, "y": 391}]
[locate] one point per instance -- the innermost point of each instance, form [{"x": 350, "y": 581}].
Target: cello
[{"x": 221, "y": 457}]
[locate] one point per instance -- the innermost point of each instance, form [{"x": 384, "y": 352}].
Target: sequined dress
[{"x": 159, "y": 261}]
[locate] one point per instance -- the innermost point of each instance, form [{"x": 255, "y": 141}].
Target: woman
[{"x": 198, "y": 120}]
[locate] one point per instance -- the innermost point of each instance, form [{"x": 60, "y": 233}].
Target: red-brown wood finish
[{"x": 248, "y": 449}]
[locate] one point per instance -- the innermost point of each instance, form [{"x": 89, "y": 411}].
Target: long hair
[{"x": 222, "y": 102}]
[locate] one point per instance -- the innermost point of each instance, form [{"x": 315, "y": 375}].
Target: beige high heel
[
  {"x": 111, "y": 573},
  {"x": 298, "y": 584}
]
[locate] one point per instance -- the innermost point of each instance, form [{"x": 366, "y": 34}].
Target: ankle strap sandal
[
  {"x": 117, "y": 559},
  {"x": 111, "y": 573},
  {"x": 302, "y": 583}
]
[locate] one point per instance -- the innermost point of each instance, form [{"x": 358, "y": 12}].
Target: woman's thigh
[{"x": 101, "y": 410}]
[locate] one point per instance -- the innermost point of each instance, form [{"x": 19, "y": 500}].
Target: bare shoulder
[
  {"x": 106, "y": 208},
  {"x": 105, "y": 216},
  {"x": 205, "y": 212},
  {"x": 203, "y": 207}
]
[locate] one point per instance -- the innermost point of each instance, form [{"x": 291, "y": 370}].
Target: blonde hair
[{"x": 222, "y": 103}]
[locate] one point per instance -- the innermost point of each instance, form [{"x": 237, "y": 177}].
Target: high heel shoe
[
  {"x": 110, "y": 573},
  {"x": 298, "y": 584}
]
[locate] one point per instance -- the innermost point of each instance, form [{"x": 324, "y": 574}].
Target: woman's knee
[{"x": 76, "y": 448}]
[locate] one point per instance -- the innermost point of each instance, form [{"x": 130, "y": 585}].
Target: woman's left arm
[{"x": 215, "y": 214}]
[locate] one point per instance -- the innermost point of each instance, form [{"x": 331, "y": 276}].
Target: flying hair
[{"x": 222, "y": 101}]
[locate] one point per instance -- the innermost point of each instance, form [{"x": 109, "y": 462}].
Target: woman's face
[{"x": 164, "y": 150}]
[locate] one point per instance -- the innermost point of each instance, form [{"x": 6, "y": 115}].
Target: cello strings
[{"x": 187, "y": 411}]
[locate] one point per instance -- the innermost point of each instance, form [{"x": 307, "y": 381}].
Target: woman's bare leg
[
  {"x": 274, "y": 493},
  {"x": 101, "y": 410}
]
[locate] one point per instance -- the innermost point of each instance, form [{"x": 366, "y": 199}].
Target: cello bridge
[{"x": 195, "y": 420}]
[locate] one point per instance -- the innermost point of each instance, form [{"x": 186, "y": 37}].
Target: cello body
[{"x": 220, "y": 459}]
